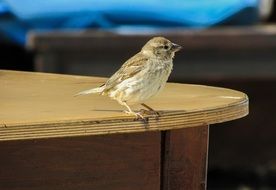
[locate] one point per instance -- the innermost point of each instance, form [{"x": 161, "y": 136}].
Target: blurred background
[{"x": 227, "y": 43}]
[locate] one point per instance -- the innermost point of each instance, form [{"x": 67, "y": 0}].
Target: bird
[{"x": 141, "y": 77}]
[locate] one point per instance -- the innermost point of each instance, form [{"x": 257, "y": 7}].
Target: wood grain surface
[{"x": 39, "y": 105}]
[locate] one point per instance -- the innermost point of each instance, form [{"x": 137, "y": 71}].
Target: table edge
[{"x": 126, "y": 124}]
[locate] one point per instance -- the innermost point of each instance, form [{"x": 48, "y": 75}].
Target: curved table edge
[{"x": 168, "y": 121}]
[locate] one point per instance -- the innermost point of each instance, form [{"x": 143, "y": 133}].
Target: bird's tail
[{"x": 97, "y": 90}]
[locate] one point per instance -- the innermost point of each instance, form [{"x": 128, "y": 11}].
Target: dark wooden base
[
  {"x": 155, "y": 160},
  {"x": 185, "y": 159}
]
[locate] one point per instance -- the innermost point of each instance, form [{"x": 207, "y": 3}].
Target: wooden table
[
  {"x": 218, "y": 56},
  {"x": 52, "y": 140}
]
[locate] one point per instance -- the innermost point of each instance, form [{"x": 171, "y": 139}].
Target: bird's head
[{"x": 160, "y": 47}]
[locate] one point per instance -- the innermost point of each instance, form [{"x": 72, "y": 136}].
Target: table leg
[{"x": 184, "y": 158}]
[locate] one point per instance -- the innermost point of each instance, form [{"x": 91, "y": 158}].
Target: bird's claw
[
  {"x": 138, "y": 115},
  {"x": 151, "y": 112}
]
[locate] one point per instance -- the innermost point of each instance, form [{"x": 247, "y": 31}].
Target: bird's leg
[
  {"x": 150, "y": 110},
  {"x": 130, "y": 112}
]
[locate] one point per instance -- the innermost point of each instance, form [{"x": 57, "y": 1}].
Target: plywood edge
[{"x": 125, "y": 124}]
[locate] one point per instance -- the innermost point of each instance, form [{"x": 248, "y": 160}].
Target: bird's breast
[
  {"x": 144, "y": 84},
  {"x": 155, "y": 78},
  {"x": 161, "y": 69}
]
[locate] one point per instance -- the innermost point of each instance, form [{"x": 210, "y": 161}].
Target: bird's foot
[
  {"x": 138, "y": 115},
  {"x": 151, "y": 112}
]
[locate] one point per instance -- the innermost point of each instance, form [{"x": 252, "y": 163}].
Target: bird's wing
[{"x": 131, "y": 67}]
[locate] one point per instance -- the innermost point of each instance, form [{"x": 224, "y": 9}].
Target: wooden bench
[
  {"x": 212, "y": 54},
  {"x": 52, "y": 140}
]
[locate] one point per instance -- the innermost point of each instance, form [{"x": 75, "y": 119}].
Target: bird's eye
[{"x": 166, "y": 47}]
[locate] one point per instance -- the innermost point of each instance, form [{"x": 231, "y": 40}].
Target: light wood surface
[{"x": 37, "y": 105}]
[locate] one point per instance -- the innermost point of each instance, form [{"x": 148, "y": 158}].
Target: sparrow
[{"x": 141, "y": 77}]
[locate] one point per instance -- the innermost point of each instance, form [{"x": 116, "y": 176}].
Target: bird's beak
[{"x": 176, "y": 47}]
